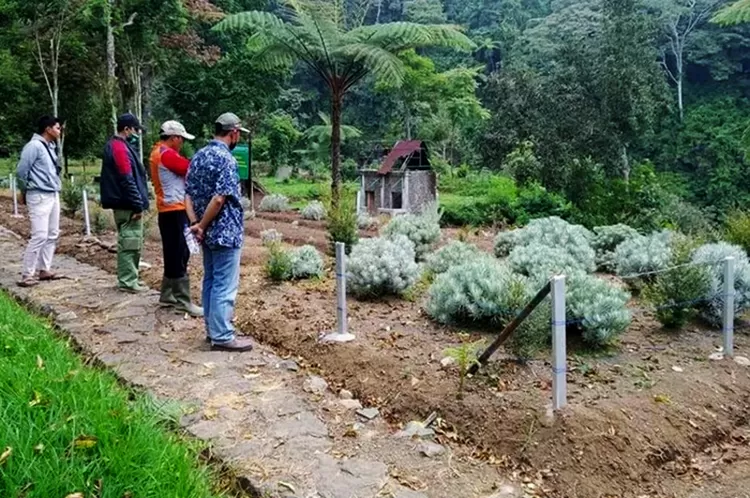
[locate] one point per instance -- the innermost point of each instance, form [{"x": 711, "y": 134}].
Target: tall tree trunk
[
  {"x": 336, "y": 103},
  {"x": 680, "y": 104},
  {"x": 111, "y": 65},
  {"x": 380, "y": 9},
  {"x": 625, "y": 164}
]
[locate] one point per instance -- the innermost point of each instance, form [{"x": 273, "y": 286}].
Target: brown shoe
[
  {"x": 27, "y": 281},
  {"x": 237, "y": 346}
]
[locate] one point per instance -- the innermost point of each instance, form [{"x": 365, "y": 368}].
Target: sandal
[{"x": 28, "y": 282}]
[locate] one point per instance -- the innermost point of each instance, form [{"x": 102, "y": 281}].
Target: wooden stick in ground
[{"x": 510, "y": 328}]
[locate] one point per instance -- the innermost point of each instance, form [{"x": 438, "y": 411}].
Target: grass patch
[{"x": 67, "y": 428}]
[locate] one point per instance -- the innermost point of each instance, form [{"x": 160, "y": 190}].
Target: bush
[
  {"x": 71, "y": 197},
  {"x": 675, "y": 294},
  {"x": 342, "y": 223},
  {"x": 314, "y": 211},
  {"x": 270, "y": 237},
  {"x": 644, "y": 254},
  {"x": 366, "y": 222},
  {"x": 737, "y": 229},
  {"x": 306, "y": 262},
  {"x": 274, "y": 203},
  {"x": 382, "y": 266},
  {"x": 486, "y": 293},
  {"x": 599, "y": 307},
  {"x": 422, "y": 229},
  {"x": 454, "y": 254},
  {"x": 606, "y": 239},
  {"x": 711, "y": 256},
  {"x": 535, "y": 201},
  {"x": 554, "y": 233},
  {"x": 541, "y": 262},
  {"x": 279, "y": 263}
]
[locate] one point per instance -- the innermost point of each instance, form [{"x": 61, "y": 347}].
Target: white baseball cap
[{"x": 175, "y": 129}]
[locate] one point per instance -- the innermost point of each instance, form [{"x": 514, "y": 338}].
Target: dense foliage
[
  {"x": 382, "y": 266},
  {"x": 423, "y": 229}
]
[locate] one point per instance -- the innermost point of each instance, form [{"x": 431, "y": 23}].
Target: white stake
[
  {"x": 559, "y": 355},
  {"x": 341, "y": 334},
  {"x": 86, "y": 213},
  {"x": 728, "y": 321}
]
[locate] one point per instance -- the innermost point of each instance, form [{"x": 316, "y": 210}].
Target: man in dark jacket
[{"x": 124, "y": 190}]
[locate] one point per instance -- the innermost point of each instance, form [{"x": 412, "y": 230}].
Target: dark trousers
[{"x": 176, "y": 253}]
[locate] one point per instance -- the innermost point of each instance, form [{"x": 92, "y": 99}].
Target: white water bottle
[{"x": 192, "y": 243}]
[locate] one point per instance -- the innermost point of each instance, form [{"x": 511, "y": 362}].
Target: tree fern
[{"x": 736, "y": 13}]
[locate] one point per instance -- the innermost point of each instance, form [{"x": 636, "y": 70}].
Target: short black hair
[
  {"x": 164, "y": 137},
  {"x": 46, "y": 122},
  {"x": 219, "y": 130}
]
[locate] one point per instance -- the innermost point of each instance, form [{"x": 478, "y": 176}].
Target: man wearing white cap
[{"x": 168, "y": 172}]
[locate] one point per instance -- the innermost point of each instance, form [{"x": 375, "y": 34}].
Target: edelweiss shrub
[
  {"x": 314, "y": 211},
  {"x": 306, "y": 262},
  {"x": 644, "y": 254},
  {"x": 270, "y": 237},
  {"x": 541, "y": 262},
  {"x": 453, "y": 254},
  {"x": 366, "y": 222},
  {"x": 274, "y": 203},
  {"x": 382, "y": 266},
  {"x": 422, "y": 229},
  {"x": 712, "y": 257},
  {"x": 606, "y": 239},
  {"x": 600, "y": 308},
  {"x": 552, "y": 232}
]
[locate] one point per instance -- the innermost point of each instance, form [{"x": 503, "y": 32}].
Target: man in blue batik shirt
[{"x": 213, "y": 206}]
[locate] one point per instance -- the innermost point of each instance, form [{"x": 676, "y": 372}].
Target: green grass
[
  {"x": 84, "y": 170},
  {"x": 73, "y": 429}
]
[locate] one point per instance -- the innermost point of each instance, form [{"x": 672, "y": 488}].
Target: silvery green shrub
[
  {"x": 307, "y": 262},
  {"x": 712, "y": 256},
  {"x": 422, "y": 229},
  {"x": 382, "y": 266},
  {"x": 274, "y": 203},
  {"x": 453, "y": 254},
  {"x": 486, "y": 293},
  {"x": 606, "y": 239},
  {"x": 366, "y": 222},
  {"x": 315, "y": 211},
  {"x": 541, "y": 262},
  {"x": 552, "y": 232},
  {"x": 271, "y": 236},
  {"x": 599, "y": 307},
  {"x": 645, "y": 253}
]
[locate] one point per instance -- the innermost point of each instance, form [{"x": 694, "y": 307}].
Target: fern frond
[
  {"x": 381, "y": 63},
  {"x": 254, "y": 20},
  {"x": 736, "y": 13}
]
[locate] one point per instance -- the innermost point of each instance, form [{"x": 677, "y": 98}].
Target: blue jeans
[{"x": 221, "y": 279}]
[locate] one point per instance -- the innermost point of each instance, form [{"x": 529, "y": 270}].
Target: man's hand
[
  {"x": 136, "y": 216},
  {"x": 197, "y": 232}
]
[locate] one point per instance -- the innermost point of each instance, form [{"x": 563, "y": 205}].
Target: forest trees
[{"x": 340, "y": 54}]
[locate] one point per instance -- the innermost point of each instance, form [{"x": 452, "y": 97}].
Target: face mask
[
  {"x": 133, "y": 139},
  {"x": 234, "y": 144}
]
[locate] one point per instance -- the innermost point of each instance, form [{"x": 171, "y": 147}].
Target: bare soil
[{"x": 652, "y": 418}]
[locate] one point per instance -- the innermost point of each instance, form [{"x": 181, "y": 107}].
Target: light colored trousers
[{"x": 44, "y": 212}]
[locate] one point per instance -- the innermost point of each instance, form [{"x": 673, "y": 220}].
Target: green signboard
[{"x": 242, "y": 154}]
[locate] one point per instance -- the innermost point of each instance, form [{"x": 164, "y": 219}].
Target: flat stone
[
  {"x": 716, "y": 356},
  {"x": 447, "y": 362},
  {"x": 289, "y": 365},
  {"x": 303, "y": 424},
  {"x": 742, "y": 360},
  {"x": 350, "y": 404},
  {"x": 344, "y": 394},
  {"x": 130, "y": 312},
  {"x": 315, "y": 385},
  {"x": 369, "y": 413},
  {"x": 408, "y": 493},
  {"x": 430, "y": 449},
  {"x": 208, "y": 429},
  {"x": 350, "y": 478},
  {"x": 67, "y": 316},
  {"x": 415, "y": 429}
]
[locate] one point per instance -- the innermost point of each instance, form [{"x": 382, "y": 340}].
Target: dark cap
[
  {"x": 230, "y": 122},
  {"x": 129, "y": 120}
]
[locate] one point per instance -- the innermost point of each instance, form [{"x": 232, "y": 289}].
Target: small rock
[
  {"x": 67, "y": 317},
  {"x": 742, "y": 360},
  {"x": 369, "y": 413},
  {"x": 289, "y": 365},
  {"x": 344, "y": 394},
  {"x": 351, "y": 404},
  {"x": 678, "y": 369},
  {"x": 430, "y": 449},
  {"x": 315, "y": 385},
  {"x": 548, "y": 420},
  {"x": 716, "y": 356},
  {"x": 415, "y": 429},
  {"x": 447, "y": 362},
  {"x": 507, "y": 491}
]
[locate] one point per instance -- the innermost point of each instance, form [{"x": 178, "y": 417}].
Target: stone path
[{"x": 280, "y": 429}]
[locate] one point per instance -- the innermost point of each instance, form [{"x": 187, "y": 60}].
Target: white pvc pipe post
[
  {"x": 728, "y": 321},
  {"x": 14, "y": 189},
  {"x": 86, "y": 213},
  {"x": 559, "y": 354},
  {"x": 341, "y": 334}
]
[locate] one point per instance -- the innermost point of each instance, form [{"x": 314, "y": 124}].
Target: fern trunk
[{"x": 336, "y": 104}]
